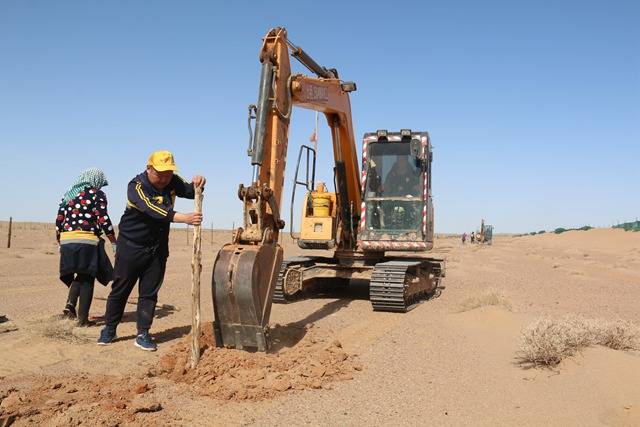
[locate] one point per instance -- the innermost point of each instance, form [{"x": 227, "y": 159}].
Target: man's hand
[
  {"x": 198, "y": 181},
  {"x": 192, "y": 218}
]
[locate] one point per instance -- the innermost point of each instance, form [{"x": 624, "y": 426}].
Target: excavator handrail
[{"x": 308, "y": 184}]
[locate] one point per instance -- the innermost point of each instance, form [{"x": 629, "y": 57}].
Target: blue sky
[{"x": 533, "y": 107}]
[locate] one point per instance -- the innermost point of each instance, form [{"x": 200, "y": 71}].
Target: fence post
[{"x": 9, "y": 236}]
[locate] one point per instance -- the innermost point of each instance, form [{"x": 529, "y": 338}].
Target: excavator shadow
[
  {"x": 285, "y": 336},
  {"x": 351, "y": 290}
]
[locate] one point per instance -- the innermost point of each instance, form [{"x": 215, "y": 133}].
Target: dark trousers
[
  {"x": 81, "y": 288},
  {"x": 133, "y": 263}
]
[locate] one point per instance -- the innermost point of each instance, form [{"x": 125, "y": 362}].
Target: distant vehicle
[{"x": 485, "y": 235}]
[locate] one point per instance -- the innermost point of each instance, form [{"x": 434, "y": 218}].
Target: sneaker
[
  {"x": 69, "y": 311},
  {"x": 107, "y": 336},
  {"x": 145, "y": 342}
]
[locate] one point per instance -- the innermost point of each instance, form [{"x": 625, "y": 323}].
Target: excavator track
[
  {"x": 400, "y": 285},
  {"x": 278, "y": 293},
  {"x": 279, "y": 296}
]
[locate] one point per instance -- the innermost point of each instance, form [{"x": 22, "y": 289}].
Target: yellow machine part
[
  {"x": 321, "y": 204},
  {"x": 317, "y": 229},
  {"x": 319, "y": 223}
]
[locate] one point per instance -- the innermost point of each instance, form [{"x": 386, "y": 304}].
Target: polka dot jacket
[{"x": 86, "y": 213}]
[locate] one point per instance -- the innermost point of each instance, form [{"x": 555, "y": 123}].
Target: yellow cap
[{"x": 162, "y": 161}]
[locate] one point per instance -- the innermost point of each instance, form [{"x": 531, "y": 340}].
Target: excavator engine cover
[{"x": 244, "y": 278}]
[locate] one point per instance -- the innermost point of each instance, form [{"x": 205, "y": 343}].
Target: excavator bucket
[{"x": 244, "y": 278}]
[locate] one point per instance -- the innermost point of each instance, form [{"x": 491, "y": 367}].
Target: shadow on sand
[
  {"x": 285, "y": 336},
  {"x": 167, "y": 335},
  {"x": 162, "y": 310},
  {"x": 282, "y": 336}
]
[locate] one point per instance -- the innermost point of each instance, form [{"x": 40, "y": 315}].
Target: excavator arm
[{"x": 245, "y": 270}]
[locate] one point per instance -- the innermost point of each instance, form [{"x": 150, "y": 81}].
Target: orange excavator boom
[{"x": 245, "y": 270}]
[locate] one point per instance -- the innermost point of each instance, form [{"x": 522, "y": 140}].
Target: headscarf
[{"x": 92, "y": 177}]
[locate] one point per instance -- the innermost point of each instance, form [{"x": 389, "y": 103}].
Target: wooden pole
[
  {"x": 187, "y": 234},
  {"x": 9, "y": 236},
  {"x": 196, "y": 269}
]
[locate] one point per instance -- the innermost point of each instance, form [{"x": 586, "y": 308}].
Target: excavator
[
  {"x": 485, "y": 235},
  {"x": 378, "y": 223}
]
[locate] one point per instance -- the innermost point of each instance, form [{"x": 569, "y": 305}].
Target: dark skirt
[{"x": 81, "y": 258}]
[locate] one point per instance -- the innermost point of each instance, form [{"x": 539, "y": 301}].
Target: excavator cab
[{"x": 396, "y": 191}]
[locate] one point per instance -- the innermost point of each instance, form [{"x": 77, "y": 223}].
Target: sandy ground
[{"x": 336, "y": 362}]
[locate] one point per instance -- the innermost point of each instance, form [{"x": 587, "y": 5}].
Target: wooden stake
[
  {"x": 196, "y": 269},
  {"x": 9, "y": 237}
]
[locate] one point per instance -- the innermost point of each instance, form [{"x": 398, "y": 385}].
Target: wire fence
[{"x": 211, "y": 235}]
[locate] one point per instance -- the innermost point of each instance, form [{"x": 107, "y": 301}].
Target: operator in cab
[
  {"x": 403, "y": 180},
  {"x": 143, "y": 243}
]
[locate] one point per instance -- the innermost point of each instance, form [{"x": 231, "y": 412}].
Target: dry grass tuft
[
  {"x": 546, "y": 342},
  {"x": 494, "y": 298},
  {"x": 60, "y": 329}
]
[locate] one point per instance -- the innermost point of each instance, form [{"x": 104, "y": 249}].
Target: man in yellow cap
[{"x": 143, "y": 243}]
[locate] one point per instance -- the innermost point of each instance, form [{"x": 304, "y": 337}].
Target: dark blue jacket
[{"x": 149, "y": 211}]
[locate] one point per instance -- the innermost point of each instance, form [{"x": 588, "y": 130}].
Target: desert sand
[{"x": 451, "y": 361}]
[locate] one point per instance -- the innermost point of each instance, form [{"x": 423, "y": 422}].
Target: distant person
[
  {"x": 402, "y": 180},
  {"x": 464, "y": 238},
  {"x": 473, "y": 237},
  {"x": 82, "y": 218},
  {"x": 143, "y": 243}
]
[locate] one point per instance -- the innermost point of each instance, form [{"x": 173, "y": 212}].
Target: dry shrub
[
  {"x": 494, "y": 298},
  {"x": 546, "y": 342},
  {"x": 620, "y": 335},
  {"x": 60, "y": 329}
]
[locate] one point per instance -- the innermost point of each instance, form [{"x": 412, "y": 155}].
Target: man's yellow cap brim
[{"x": 163, "y": 168}]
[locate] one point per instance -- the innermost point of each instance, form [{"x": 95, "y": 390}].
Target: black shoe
[
  {"x": 86, "y": 323},
  {"x": 69, "y": 311}
]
